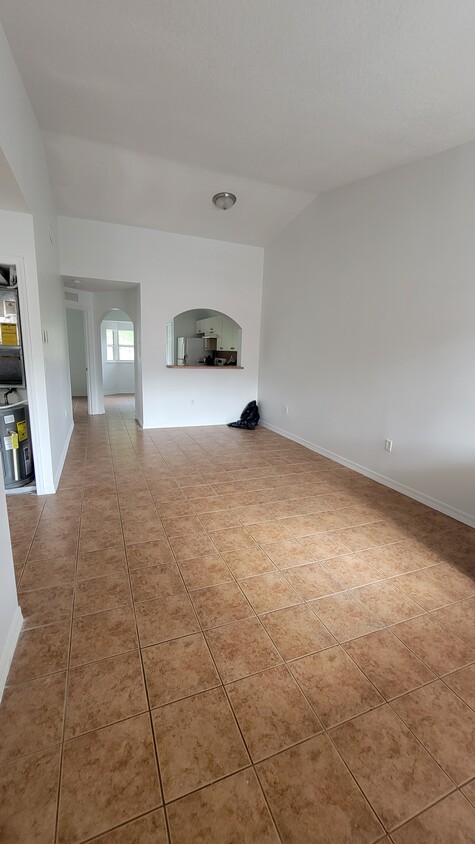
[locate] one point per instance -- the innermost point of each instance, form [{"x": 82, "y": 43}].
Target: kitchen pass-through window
[{"x": 120, "y": 345}]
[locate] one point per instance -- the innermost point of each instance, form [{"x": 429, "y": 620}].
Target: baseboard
[
  {"x": 9, "y": 649},
  {"x": 441, "y": 506},
  {"x": 59, "y": 470}
]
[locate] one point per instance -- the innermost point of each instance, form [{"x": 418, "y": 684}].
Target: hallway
[{"x": 229, "y": 638}]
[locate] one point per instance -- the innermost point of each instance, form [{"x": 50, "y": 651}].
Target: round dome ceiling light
[{"x": 224, "y": 200}]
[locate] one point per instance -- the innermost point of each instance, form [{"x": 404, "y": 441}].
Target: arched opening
[
  {"x": 203, "y": 337},
  {"x": 118, "y": 353}
]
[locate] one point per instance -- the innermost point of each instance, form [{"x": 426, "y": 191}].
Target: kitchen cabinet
[
  {"x": 229, "y": 338},
  {"x": 210, "y": 327}
]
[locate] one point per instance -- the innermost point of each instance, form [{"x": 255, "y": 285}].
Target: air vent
[{"x": 71, "y": 297}]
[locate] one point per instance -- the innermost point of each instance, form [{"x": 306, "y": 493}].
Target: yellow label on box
[
  {"x": 14, "y": 440},
  {"x": 9, "y": 334},
  {"x": 22, "y": 431}
]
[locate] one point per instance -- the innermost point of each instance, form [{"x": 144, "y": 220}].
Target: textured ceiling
[{"x": 274, "y": 99}]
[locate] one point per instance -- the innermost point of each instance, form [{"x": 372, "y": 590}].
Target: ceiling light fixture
[{"x": 224, "y": 200}]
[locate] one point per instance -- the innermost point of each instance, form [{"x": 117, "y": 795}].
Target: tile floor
[{"x": 229, "y": 638}]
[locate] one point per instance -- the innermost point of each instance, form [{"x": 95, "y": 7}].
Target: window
[{"x": 120, "y": 345}]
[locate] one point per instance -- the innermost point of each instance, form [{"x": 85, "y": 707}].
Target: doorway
[
  {"x": 77, "y": 353},
  {"x": 118, "y": 354}
]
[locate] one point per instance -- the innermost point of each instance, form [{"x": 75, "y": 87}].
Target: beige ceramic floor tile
[
  {"x": 445, "y": 725},
  {"x": 324, "y": 546},
  {"x": 97, "y": 563},
  {"x": 178, "y": 668},
  {"x": 221, "y": 604},
  {"x": 40, "y": 651},
  {"x": 252, "y": 515},
  {"x": 44, "y": 606},
  {"x": 145, "y": 554},
  {"x": 442, "y": 650},
  {"x": 269, "y": 531},
  {"x": 387, "y": 602},
  {"x": 95, "y": 540},
  {"x": 182, "y": 526},
  {"x": 28, "y": 798},
  {"x": 95, "y": 794},
  {"x": 390, "y": 666},
  {"x": 345, "y": 616},
  {"x": 197, "y": 742},
  {"x": 219, "y": 521},
  {"x": 288, "y": 553},
  {"x": 460, "y": 618},
  {"x": 188, "y": 547},
  {"x": 463, "y": 683},
  {"x": 428, "y": 588},
  {"x": 245, "y": 563},
  {"x": 296, "y": 631},
  {"x": 42, "y": 574},
  {"x": 314, "y": 799},
  {"x": 100, "y": 693},
  {"x": 103, "y": 634},
  {"x": 149, "y": 829},
  {"x": 323, "y": 675},
  {"x": 242, "y": 648},
  {"x": 102, "y": 593},
  {"x": 305, "y": 525},
  {"x": 156, "y": 582},
  {"x": 401, "y": 557},
  {"x": 267, "y": 592},
  {"x": 351, "y": 570},
  {"x": 232, "y": 539},
  {"x": 150, "y": 531},
  {"x": 392, "y": 768},
  {"x": 233, "y": 809},
  {"x": 469, "y": 792},
  {"x": 205, "y": 571},
  {"x": 371, "y": 535},
  {"x": 31, "y": 716},
  {"x": 272, "y": 712},
  {"x": 312, "y": 580},
  {"x": 324, "y": 527},
  {"x": 450, "y": 820},
  {"x": 46, "y": 549},
  {"x": 165, "y": 618}
]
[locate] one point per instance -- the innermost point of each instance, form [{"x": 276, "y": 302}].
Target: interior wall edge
[
  {"x": 434, "y": 503},
  {"x": 60, "y": 466},
  {"x": 9, "y": 648}
]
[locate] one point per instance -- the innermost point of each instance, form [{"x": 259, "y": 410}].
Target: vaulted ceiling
[{"x": 149, "y": 107}]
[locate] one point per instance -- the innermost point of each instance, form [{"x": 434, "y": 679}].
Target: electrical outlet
[
  {"x": 388, "y": 445},
  {"x": 192, "y": 401},
  {"x": 286, "y": 410}
]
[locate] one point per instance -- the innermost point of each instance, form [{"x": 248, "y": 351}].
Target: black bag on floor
[{"x": 249, "y": 417}]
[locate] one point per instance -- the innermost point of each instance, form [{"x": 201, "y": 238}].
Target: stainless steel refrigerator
[{"x": 189, "y": 351}]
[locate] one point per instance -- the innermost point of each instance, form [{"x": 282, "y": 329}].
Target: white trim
[
  {"x": 9, "y": 649},
  {"x": 94, "y": 404},
  {"x": 434, "y": 503},
  {"x": 59, "y": 470}
]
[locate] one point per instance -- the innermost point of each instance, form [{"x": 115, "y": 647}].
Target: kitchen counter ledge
[{"x": 199, "y": 366}]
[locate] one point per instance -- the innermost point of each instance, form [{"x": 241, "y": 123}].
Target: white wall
[
  {"x": 10, "y": 615},
  {"x": 176, "y": 273},
  {"x": 118, "y": 376},
  {"x": 77, "y": 351},
  {"x": 373, "y": 288},
  {"x": 22, "y": 147}
]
